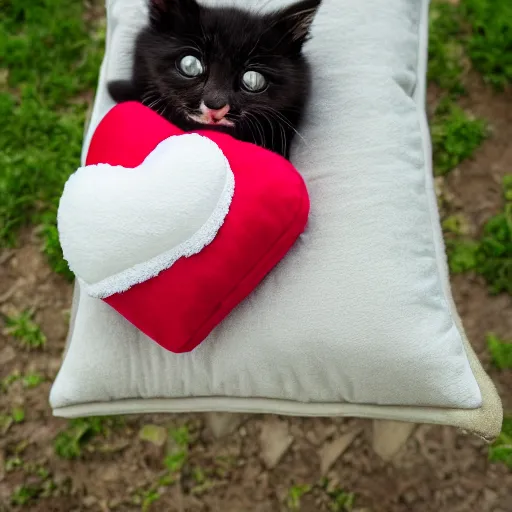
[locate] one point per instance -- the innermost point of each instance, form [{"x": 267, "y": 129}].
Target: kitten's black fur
[{"x": 228, "y": 41}]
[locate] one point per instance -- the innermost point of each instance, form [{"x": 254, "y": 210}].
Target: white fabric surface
[
  {"x": 360, "y": 311},
  {"x": 119, "y": 227}
]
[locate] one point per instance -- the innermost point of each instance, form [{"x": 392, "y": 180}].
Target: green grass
[
  {"x": 178, "y": 446},
  {"x": 494, "y": 257},
  {"x": 323, "y": 491},
  {"x": 501, "y": 450},
  {"x": 70, "y": 443},
  {"x": 461, "y": 255},
  {"x": 23, "y": 328},
  {"x": 148, "y": 499},
  {"x": 30, "y": 380},
  {"x": 6, "y": 382},
  {"x": 460, "y": 249},
  {"x": 18, "y": 415},
  {"x": 295, "y": 494},
  {"x": 24, "y": 494},
  {"x": 42, "y": 487},
  {"x": 13, "y": 463},
  {"x": 38, "y": 482},
  {"x": 491, "y": 256},
  {"x": 455, "y": 136},
  {"x": 501, "y": 352},
  {"x": 50, "y": 61},
  {"x": 456, "y": 224},
  {"x": 51, "y": 244},
  {"x": 478, "y": 31},
  {"x": 445, "y": 50},
  {"x": 489, "y": 43},
  {"x": 178, "y": 450},
  {"x": 341, "y": 500}
]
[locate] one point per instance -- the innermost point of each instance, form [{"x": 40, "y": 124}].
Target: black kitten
[{"x": 224, "y": 68}]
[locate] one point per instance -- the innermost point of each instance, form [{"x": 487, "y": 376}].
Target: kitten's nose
[{"x": 219, "y": 112}]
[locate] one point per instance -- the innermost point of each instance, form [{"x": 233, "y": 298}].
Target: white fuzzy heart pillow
[{"x": 119, "y": 227}]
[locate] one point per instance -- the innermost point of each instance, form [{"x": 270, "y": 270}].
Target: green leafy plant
[
  {"x": 18, "y": 415},
  {"x": 24, "y": 494},
  {"x": 181, "y": 436},
  {"x": 494, "y": 256},
  {"x": 25, "y": 330},
  {"x": 32, "y": 380},
  {"x": 445, "y": 51},
  {"x": 174, "y": 461},
  {"x": 456, "y": 225},
  {"x": 501, "y": 352},
  {"x": 51, "y": 245},
  {"x": 489, "y": 44},
  {"x": 491, "y": 256},
  {"x": 455, "y": 136},
  {"x": 501, "y": 450},
  {"x": 178, "y": 450},
  {"x": 177, "y": 453},
  {"x": 148, "y": 499},
  {"x": 39, "y": 485},
  {"x": 9, "y": 380},
  {"x": 461, "y": 255},
  {"x": 477, "y": 30},
  {"x": 295, "y": 494},
  {"x": 13, "y": 464},
  {"x": 460, "y": 249},
  {"x": 339, "y": 499},
  {"x": 69, "y": 444}
]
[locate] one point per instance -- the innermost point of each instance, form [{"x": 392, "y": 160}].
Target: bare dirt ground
[{"x": 439, "y": 469}]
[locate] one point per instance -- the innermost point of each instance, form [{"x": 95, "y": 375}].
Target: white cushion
[{"x": 358, "y": 319}]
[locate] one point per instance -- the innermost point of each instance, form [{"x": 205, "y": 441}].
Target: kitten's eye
[
  {"x": 190, "y": 66},
  {"x": 254, "y": 81}
]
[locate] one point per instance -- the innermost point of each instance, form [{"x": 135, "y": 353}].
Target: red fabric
[{"x": 179, "y": 308}]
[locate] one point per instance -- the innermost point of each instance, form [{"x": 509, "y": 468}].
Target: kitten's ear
[
  {"x": 167, "y": 12},
  {"x": 157, "y": 9},
  {"x": 295, "y": 21}
]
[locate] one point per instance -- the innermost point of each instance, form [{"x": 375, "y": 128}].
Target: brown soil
[{"x": 438, "y": 470}]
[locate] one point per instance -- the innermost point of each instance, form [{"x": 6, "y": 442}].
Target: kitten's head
[{"x": 226, "y": 68}]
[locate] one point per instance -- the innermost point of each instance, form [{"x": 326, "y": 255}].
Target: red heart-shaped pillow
[{"x": 179, "y": 307}]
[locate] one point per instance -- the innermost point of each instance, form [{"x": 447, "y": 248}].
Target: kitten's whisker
[
  {"x": 162, "y": 109},
  {"x": 258, "y": 128},
  {"x": 283, "y": 139},
  {"x": 154, "y": 103},
  {"x": 253, "y": 123},
  {"x": 249, "y": 125},
  {"x": 263, "y": 131},
  {"x": 283, "y": 119},
  {"x": 269, "y": 121}
]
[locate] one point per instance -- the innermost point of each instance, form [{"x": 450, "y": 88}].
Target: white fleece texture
[
  {"x": 119, "y": 227},
  {"x": 360, "y": 311}
]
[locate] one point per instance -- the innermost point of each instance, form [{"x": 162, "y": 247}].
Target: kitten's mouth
[
  {"x": 212, "y": 117},
  {"x": 204, "y": 119}
]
